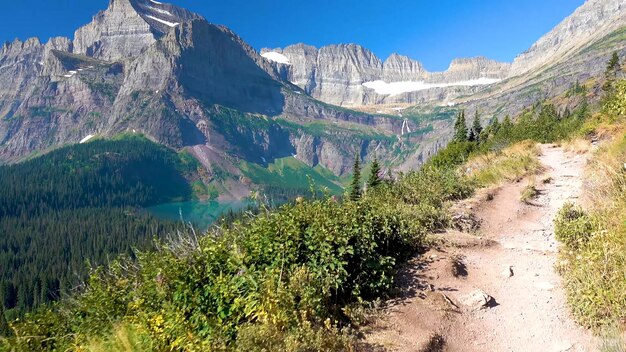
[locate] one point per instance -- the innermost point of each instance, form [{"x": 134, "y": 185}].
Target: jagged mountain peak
[
  {"x": 396, "y": 58},
  {"x": 127, "y": 27}
]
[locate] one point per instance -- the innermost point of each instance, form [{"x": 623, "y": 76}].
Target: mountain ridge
[
  {"x": 338, "y": 74},
  {"x": 192, "y": 84},
  {"x": 187, "y": 83}
]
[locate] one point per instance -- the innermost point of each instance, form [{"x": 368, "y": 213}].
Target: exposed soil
[{"x": 511, "y": 259}]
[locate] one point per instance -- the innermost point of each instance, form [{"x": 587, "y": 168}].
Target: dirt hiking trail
[{"x": 496, "y": 289}]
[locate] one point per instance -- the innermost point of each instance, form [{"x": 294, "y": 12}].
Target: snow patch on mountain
[
  {"x": 86, "y": 139},
  {"x": 397, "y": 88},
  {"x": 164, "y": 12},
  {"x": 167, "y": 23},
  {"x": 277, "y": 57}
]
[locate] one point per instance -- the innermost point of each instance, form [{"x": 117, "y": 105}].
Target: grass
[
  {"x": 511, "y": 164},
  {"x": 125, "y": 338},
  {"x": 529, "y": 193},
  {"x": 608, "y": 42},
  {"x": 290, "y": 172},
  {"x": 612, "y": 342},
  {"x": 594, "y": 262}
]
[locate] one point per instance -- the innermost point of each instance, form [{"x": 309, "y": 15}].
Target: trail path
[{"x": 530, "y": 312}]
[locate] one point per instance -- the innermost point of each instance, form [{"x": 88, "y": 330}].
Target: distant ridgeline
[{"x": 77, "y": 204}]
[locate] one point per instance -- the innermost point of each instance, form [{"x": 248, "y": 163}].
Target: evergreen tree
[
  {"x": 374, "y": 179},
  {"x": 477, "y": 129},
  {"x": 507, "y": 123},
  {"x": 5, "y": 330},
  {"x": 611, "y": 72},
  {"x": 494, "y": 125},
  {"x": 612, "y": 66},
  {"x": 460, "y": 128},
  {"x": 355, "y": 190}
]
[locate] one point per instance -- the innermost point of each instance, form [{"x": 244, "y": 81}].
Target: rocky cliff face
[
  {"x": 350, "y": 75},
  {"x": 146, "y": 67},
  {"x": 151, "y": 68},
  {"x": 126, "y": 27},
  {"x": 592, "y": 21}
]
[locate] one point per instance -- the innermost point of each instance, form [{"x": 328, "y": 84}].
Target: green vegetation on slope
[
  {"x": 284, "y": 280},
  {"x": 332, "y": 130},
  {"x": 541, "y": 124},
  {"x": 290, "y": 176},
  {"x": 594, "y": 259},
  {"x": 78, "y": 204}
]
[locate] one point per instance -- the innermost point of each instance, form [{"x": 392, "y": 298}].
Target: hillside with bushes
[{"x": 295, "y": 278}]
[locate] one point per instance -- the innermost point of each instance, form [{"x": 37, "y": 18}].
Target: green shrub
[
  {"x": 454, "y": 154},
  {"x": 573, "y": 226},
  {"x": 615, "y": 102},
  {"x": 278, "y": 281}
]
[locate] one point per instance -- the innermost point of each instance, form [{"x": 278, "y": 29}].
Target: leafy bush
[
  {"x": 573, "y": 226},
  {"x": 455, "y": 153},
  {"x": 615, "y": 101},
  {"x": 277, "y": 281}
]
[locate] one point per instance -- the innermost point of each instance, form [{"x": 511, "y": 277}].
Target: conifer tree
[
  {"x": 613, "y": 65},
  {"x": 611, "y": 72},
  {"x": 460, "y": 128},
  {"x": 374, "y": 179},
  {"x": 494, "y": 125},
  {"x": 355, "y": 190},
  {"x": 507, "y": 123},
  {"x": 477, "y": 129}
]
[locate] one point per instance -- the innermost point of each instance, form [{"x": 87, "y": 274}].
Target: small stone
[
  {"x": 478, "y": 300},
  {"x": 508, "y": 272}
]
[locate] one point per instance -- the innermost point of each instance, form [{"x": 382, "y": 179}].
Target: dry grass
[
  {"x": 578, "y": 145},
  {"x": 124, "y": 338},
  {"x": 530, "y": 192},
  {"x": 511, "y": 164},
  {"x": 613, "y": 341},
  {"x": 595, "y": 273}
]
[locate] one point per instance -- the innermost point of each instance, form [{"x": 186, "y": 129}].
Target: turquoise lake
[{"x": 199, "y": 213}]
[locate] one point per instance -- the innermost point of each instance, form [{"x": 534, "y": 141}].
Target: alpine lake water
[{"x": 201, "y": 214}]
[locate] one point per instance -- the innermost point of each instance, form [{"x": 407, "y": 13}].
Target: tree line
[{"x": 77, "y": 206}]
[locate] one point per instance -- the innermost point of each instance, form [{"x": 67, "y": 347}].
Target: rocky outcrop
[
  {"x": 398, "y": 68},
  {"x": 127, "y": 27},
  {"x": 350, "y": 75},
  {"x": 592, "y": 21},
  {"x": 574, "y": 51}
]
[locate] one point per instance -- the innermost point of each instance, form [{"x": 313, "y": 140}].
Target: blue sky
[{"x": 432, "y": 31}]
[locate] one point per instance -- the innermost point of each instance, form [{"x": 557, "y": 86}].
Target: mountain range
[{"x": 150, "y": 68}]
